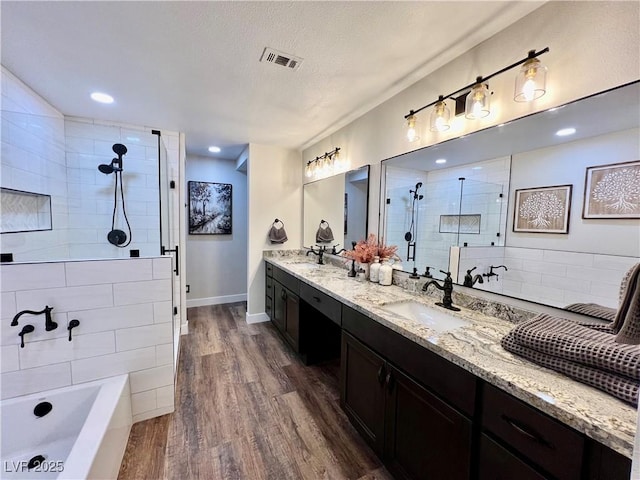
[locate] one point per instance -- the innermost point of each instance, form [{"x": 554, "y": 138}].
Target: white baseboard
[
  {"x": 184, "y": 328},
  {"x": 201, "y": 302},
  {"x": 257, "y": 317}
]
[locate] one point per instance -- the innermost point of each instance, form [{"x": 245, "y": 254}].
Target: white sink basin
[
  {"x": 436, "y": 318},
  {"x": 307, "y": 266}
]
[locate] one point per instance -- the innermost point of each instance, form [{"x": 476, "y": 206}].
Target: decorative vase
[
  {"x": 386, "y": 273},
  {"x": 374, "y": 270}
]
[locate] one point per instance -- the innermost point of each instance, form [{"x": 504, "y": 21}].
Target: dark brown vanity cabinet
[
  {"x": 286, "y": 306},
  {"x": 418, "y": 434}
]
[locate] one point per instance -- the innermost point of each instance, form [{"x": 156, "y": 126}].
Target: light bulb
[
  {"x": 308, "y": 171},
  {"x": 412, "y": 131},
  {"x": 478, "y": 99},
  {"x": 531, "y": 80},
  {"x": 440, "y": 115}
]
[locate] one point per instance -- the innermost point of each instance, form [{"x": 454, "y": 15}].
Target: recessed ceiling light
[
  {"x": 476, "y": 168},
  {"x": 101, "y": 97},
  {"x": 214, "y": 149},
  {"x": 563, "y": 132},
  {"x": 441, "y": 160}
]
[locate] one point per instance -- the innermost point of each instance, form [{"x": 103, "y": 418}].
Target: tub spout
[{"x": 48, "y": 321}]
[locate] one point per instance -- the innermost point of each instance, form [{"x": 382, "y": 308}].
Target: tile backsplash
[{"x": 125, "y": 314}]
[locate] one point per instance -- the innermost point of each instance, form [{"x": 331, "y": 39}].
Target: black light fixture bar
[
  {"x": 322, "y": 157},
  {"x": 532, "y": 54}
]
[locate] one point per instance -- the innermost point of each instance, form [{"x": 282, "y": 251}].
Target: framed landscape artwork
[
  {"x": 209, "y": 208},
  {"x": 542, "y": 209},
  {"x": 612, "y": 191}
]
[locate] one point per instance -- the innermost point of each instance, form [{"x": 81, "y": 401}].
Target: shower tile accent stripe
[{"x": 125, "y": 313}]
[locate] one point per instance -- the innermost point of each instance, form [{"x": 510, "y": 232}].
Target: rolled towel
[{"x": 628, "y": 317}]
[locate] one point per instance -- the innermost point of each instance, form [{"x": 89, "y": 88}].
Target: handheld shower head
[
  {"x": 106, "y": 169},
  {"x": 119, "y": 149},
  {"x": 418, "y": 185}
]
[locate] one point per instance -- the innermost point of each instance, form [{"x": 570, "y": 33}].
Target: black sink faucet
[
  {"x": 492, "y": 273},
  {"x": 49, "y": 323},
  {"x": 338, "y": 252},
  {"x": 320, "y": 252},
  {"x": 470, "y": 281},
  {"x": 447, "y": 288}
]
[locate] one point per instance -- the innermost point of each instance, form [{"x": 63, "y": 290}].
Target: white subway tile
[
  {"x": 31, "y": 276},
  {"x": 66, "y": 299},
  {"x": 9, "y": 358},
  {"x": 91, "y": 345},
  {"x": 158, "y": 412},
  {"x": 568, "y": 258},
  {"x": 140, "y": 337},
  {"x": 108, "y": 271},
  {"x": 142, "y": 292},
  {"x": 596, "y": 274},
  {"x": 114, "y": 364},
  {"x": 523, "y": 253},
  {"x": 23, "y": 382},
  {"x": 164, "y": 354},
  {"x": 162, "y": 268},
  {"x": 46, "y": 352},
  {"x": 143, "y": 402},
  {"x": 113, "y": 318},
  {"x": 166, "y": 396},
  {"x": 545, "y": 268},
  {"x": 542, "y": 293},
  {"x": 151, "y": 378},
  {"x": 7, "y": 305},
  {"x": 613, "y": 262},
  {"x": 566, "y": 284},
  {"x": 162, "y": 312}
]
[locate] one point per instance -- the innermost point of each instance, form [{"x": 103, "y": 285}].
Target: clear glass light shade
[
  {"x": 308, "y": 171},
  {"x": 338, "y": 163},
  {"x": 412, "y": 129},
  {"x": 531, "y": 82},
  {"x": 439, "y": 119},
  {"x": 478, "y": 102}
]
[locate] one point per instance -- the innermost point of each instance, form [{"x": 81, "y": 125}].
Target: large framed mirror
[
  {"x": 338, "y": 203},
  {"x": 460, "y": 205}
]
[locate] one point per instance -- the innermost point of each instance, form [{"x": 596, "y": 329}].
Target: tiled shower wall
[
  {"x": 552, "y": 277},
  {"x": 91, "y": 193},
  {"x": 33, "y": 160},
  {"x": 125, "y": 313}
]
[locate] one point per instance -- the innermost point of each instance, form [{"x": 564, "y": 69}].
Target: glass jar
[
  {"x": 386, "y": 273},
  {"x": 374, "y": 270}
]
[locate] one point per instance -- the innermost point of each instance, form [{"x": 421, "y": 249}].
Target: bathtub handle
[
  {"x": 26, "y": 329},
  {"x": 72, "y": 324}
]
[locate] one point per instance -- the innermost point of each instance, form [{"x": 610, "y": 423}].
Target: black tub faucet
[
  {"x": 470, "y": 281},
  {"x": 492, "y": 273},
  {"x": 447, "y": 288},
  {"x": 26, "y": 329},
  {"x": 48, "y": 322}
]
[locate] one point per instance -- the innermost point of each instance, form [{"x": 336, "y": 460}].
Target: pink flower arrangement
[{"x": 366, "y": 250}]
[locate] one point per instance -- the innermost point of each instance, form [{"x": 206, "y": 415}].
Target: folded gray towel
[
  {"x": 627, "y": 321},
  {"x": 617, "y": 385},
  {"x": 277, "y": 234},
  {"x": 324, "y": 233},
  {"x": 578, "y": 343},
  {"x": 593, "y": 310}
]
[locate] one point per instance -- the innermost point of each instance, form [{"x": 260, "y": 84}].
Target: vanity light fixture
[
  {"x": 101, "y": 97},
  {"x": 324, "y": 165},
  {"x": 563, "y": 132},
  {"x": 475, "y": 97},
  {"x": 531, "y": 82},
  {"x": 440, "y": 115}
]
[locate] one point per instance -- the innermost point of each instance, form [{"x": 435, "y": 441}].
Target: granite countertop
[{"x": 476, "y": 348}]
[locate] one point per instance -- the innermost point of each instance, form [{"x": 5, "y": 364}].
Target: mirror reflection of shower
[
  {"x": 116, "y": 236},
  {"x": 412, "y": 233}
]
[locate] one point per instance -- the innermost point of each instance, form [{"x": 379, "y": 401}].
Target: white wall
[
  {"x": 593, "y": 47},
  {"x": 33, "y": 160},
  {"x": 566, "y": 165},
  {"x": 273, "y": 176},
  {"x": 217, "y": 264},
  {"x": 124, "y": 309}
]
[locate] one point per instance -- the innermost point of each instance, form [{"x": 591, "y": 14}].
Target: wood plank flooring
[{"x": 247, "y": 408}]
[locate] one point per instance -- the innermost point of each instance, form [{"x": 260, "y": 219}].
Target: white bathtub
[{"x": 84, "y": 435}]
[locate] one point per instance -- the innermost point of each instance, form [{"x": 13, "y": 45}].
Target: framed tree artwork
[
  {"x": 209, "y": 208},
  {"x": 542, "y": 209},
  {"x": 612, "y": 191}
]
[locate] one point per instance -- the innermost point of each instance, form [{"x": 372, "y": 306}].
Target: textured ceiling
[{"x": 194, "y": 66}]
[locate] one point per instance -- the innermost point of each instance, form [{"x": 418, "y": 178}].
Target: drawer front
[
  {"x": 322, "y": 302},
  {"x": 497, "y": 463},
  {"x": 553, "y": 446},
  {"x": 289, "y": 281},
  {"x": 450, "y": 382},
  {"x": 269, "y": 269}
]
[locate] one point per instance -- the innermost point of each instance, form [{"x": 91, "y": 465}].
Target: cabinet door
[
  {"x": 496, "y": 463},
  {"x": 424, "y": 436},
  {"x": 361, "y": 394},
  {"x": 292, "y": 320},
  {"x": 279, "y": 306}
]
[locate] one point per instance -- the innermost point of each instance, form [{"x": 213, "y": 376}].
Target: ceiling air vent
[{"x": 270, "y": 55}]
